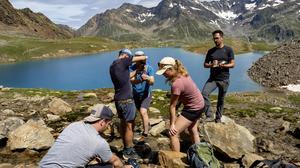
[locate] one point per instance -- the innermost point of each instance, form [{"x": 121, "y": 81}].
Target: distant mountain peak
[
  {"x": 195, "y": 19},
  {"x": 26, "y": 22}
]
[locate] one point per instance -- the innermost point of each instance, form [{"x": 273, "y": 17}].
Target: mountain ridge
[
  {"x": 26, "y": 22},
  {"x": 194, "y": 19}
]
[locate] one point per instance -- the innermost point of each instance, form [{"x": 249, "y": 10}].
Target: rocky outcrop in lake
[{"x": 280, "y": 67}]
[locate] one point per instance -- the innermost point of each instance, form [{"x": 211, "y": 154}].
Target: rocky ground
[
  {"x": 272, "y": 117},
  {"x": 278, "y": 68}
]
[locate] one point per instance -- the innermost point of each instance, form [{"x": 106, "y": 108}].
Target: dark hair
[{"x": 218, "y": 31}]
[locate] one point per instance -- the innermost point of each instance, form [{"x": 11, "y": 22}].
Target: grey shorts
[
  {"x": 126, "y": 109},
  {"x": 143, "y": 102},
  {"x": 192, "y": 115}
]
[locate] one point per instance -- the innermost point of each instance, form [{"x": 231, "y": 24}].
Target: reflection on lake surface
[{"x": 91, "y": 72}]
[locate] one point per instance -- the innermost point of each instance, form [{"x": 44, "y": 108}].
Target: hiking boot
[
  {"x": 209, "y": 119},
  {"x": 130, "y": 153},
  {"x": 217, "y": 120}
]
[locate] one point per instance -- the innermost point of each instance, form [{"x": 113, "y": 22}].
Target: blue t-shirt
[
  {"x": 143, "y": 88},
  {"x": 119, "y": 73}
]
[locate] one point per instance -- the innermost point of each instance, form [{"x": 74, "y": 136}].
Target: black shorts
[
  {"x": 143, "y": 102},
  {"x": 192, "y": 115}
]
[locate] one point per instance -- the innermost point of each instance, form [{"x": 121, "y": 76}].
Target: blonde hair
[{"x": 179, "y": 69}]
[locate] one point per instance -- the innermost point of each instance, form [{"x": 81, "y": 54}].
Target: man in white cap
[
  {"x": 80, "y": 142},
  {"x": 120, "y": 76}
]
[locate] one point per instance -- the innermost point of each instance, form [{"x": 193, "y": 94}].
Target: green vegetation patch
[{"x": 295, "y": 99}]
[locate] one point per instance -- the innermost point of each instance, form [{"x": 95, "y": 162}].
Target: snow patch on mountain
[
  {"x": 277, "y": 2},
  {"x": 144, "y": 16},
  {"x": 250, "y": 6},
  {"x": 228, "y": 15},
  {"x": 215, "y": 22},
  {"x": 128, "y": 10},
  {"x": 195, "y": 8},
  {"x": 264, "y": 6},
  {"x": 181, "y": 6}
]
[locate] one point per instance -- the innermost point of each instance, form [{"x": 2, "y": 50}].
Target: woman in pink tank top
[{"x": 185, "y": 91}]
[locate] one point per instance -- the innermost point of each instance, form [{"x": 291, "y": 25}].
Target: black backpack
[{"x": 272, "y": 164}]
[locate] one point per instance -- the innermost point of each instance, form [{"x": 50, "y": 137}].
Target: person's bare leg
[
  {"x": 128, "y": 138},
  {"x": 181, "y": 124},
  {"x": 122, "y": 130},
  {"x": 193, "y": 130},
  {"x": 145, "y": 119}
]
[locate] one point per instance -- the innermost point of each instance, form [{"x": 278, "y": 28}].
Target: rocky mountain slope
[
  {"x": 279, "y": 67},
  {"x": 26, "y": 22},
  {"x": 31, "y": 119},
  {"x": 272, "y": 20}
]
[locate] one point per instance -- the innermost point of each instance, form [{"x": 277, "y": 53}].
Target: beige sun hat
[{"x": 164, "y": 64}]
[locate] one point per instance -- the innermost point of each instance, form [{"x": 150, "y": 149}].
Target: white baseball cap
[
  {"x": 164, "y": 64},
  {"x": 139, "y": 53}
]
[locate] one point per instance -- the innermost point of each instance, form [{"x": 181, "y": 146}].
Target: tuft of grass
[
  {"x": 244, "y": 112},
  {"x": 295, "y": 99}
]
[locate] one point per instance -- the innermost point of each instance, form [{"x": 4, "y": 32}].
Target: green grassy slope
[{"x": 14, "y": 49}]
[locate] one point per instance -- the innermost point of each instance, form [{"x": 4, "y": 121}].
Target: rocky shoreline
[
  {"x": 31, "y": 119},
  {"x": 278, "y": 68}
]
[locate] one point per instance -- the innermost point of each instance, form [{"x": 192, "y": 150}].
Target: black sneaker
[
  {"x": 217, "y": 120},
  {"x": 130, "y": 153}
]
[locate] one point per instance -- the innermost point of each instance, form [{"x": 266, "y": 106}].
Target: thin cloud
[
  {"x": 58, "y": 13},
  {"x": 75, "y": 13}
]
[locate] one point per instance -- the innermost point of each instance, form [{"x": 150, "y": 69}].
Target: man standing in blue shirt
[
  {"x": 142, "y": 81},
  {"x": 219, "y": 59},
  {"x": 120, "y": 76}
]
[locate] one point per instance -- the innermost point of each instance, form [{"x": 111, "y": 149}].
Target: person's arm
[
  {"x": 207, "y": 62},
  {"x": 139, "y": 58},
  {"x": 132, "y": 74},
  {"x": 148, "y": 79},
  {"x": 229, "y": 65},
  {"x": 116, "y": 162},
  {"x": 174, "y": 100},
  {"x": 208, "y": 65},
  {"x": 134, "y": 80}
]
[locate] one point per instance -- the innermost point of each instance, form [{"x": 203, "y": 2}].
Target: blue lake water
[{"x": 92, "y": 71}]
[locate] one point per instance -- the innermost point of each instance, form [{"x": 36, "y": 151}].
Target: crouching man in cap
[{"x": 80, "y": 142}]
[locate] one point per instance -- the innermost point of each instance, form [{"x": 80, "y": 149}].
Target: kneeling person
[{"x": 80, "y": 142}]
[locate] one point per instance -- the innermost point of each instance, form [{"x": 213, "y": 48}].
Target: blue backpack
[{"x": 201, "y": 155}]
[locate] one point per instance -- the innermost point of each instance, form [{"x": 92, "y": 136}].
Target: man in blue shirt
[
  {"x": 142, "y": 80},
  {"x": 120, "y": 76},
  {"x": 219, "y": 59}
]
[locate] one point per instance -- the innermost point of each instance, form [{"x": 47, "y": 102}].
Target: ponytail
[{"x": 180, "y": 70}]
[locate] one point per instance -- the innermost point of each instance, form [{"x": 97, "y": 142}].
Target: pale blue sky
[{"x": 75, "y": 13}]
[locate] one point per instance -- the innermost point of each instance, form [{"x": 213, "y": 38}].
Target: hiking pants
[{"x": 208, "y": 88}]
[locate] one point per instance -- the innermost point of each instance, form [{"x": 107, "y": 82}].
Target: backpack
[
  {"x": 272, "y": 164},
  {"x": 201, "y": 155}
]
